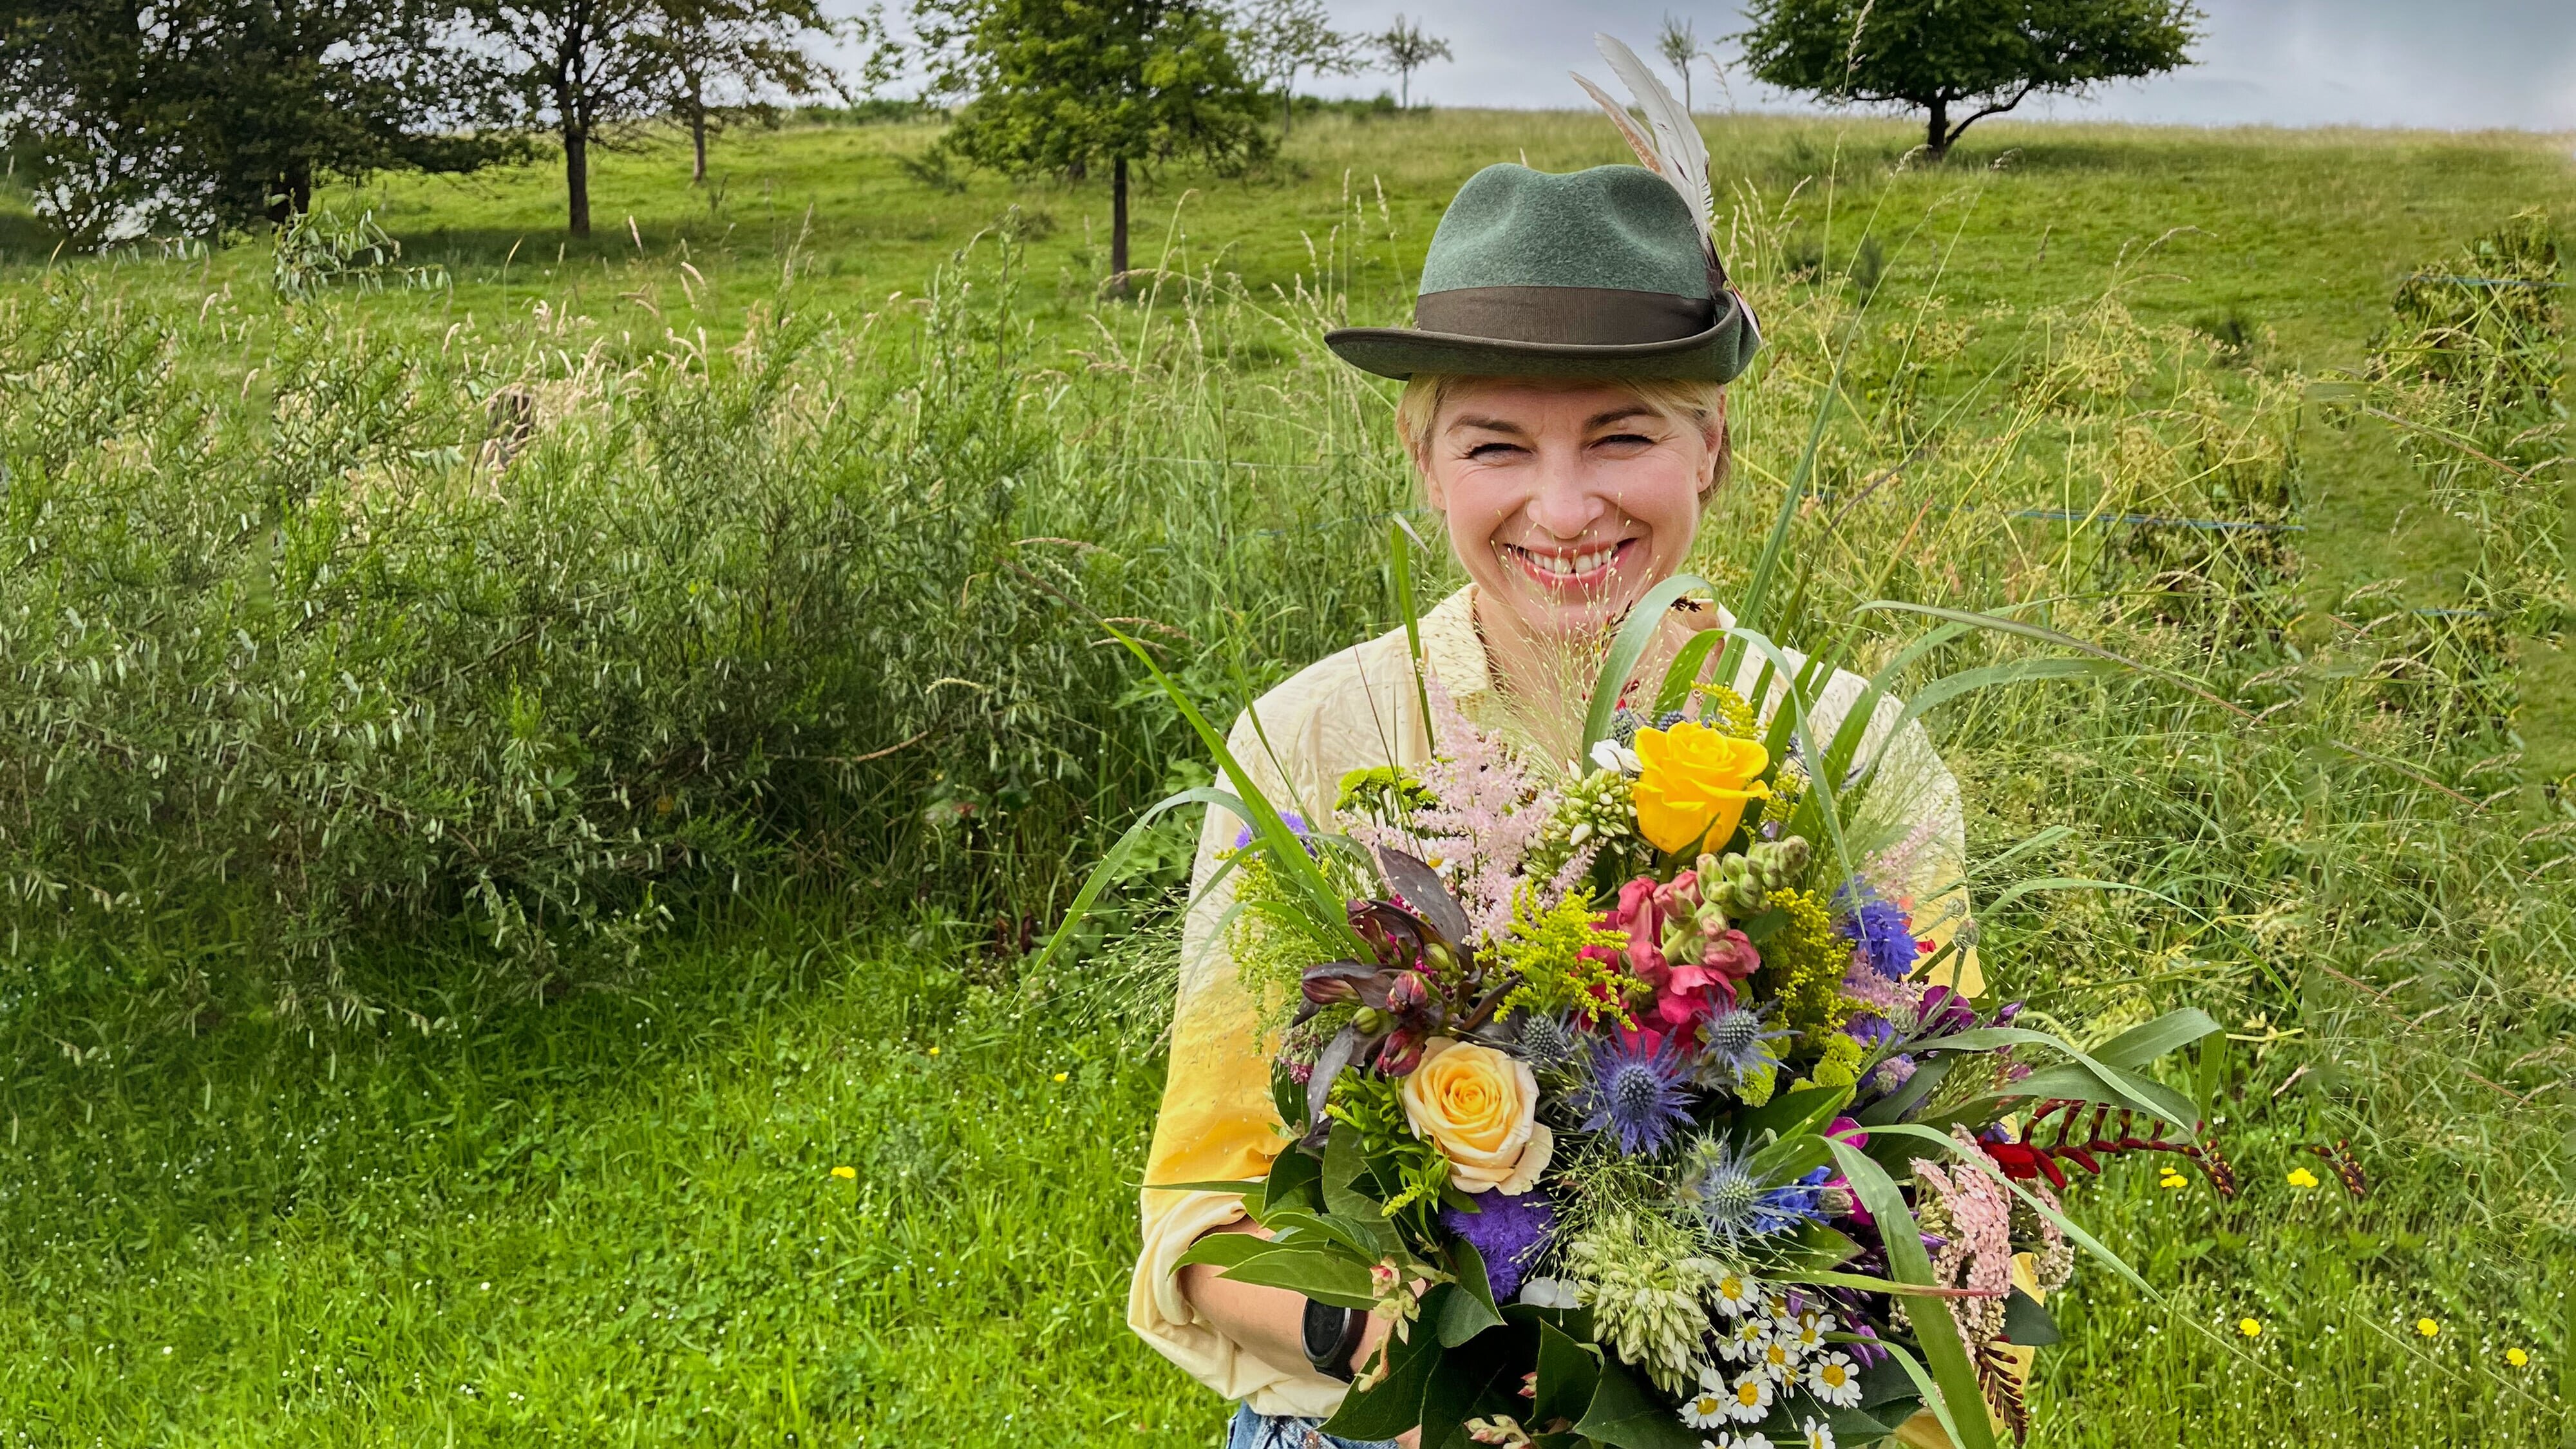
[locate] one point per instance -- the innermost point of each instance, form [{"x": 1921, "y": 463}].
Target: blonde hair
[{"x": 1688, "y": 402}]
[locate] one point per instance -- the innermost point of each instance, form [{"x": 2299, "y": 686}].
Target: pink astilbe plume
[
  {"x": 1485, "y": 812},
  {"x": 1971, "y": 1213},
  {"x": 1893, "y": 872}
]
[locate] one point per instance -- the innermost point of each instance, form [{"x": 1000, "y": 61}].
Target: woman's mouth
[{"x": 1576, "y": 570}]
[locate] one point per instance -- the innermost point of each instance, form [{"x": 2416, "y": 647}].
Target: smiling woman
[{"x": 1565, "y": 411}]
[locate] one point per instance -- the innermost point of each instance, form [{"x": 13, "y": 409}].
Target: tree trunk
[
  {"x": 576, "y": 139},
  {"x": 1936, "y": 135},
  {"x": 1287, "y": 102},
  {"x": 1118, "y": 226},
  {"x": 698, "y": 130},
  {"x": 291, "y": 193},
  {"x": 1404, "y": 85}
]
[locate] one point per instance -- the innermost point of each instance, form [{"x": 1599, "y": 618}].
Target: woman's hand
[{"x": 1269, "y": 1323}]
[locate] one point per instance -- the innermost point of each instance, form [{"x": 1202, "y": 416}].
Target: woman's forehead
[{"x": 1471, "y": 402}]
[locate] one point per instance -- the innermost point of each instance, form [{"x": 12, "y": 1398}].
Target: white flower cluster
[{"x": 1780, "y": 1352}]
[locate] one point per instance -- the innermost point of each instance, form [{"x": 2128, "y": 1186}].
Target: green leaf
[
  {"x": 1468, "y": 1384},
  {"x": 2027, "y": 1322},
  {"x": 1247, "y": 1186},
  {"x": 1471, "y": 1311},
  {"x": 1397, "y": 536},
  {"x": 2097, "y": 1082},
  {"x": 1674, "y": 692},
  {"x": 1808, "y": 1109},
  {"x": 1107, "y": 871},
  {"x": 1951, "y": 1389},
  {"x": 1327, "y": 1276},
  {"x": 1343, "y": 1166},
  {"x": 1635, "y": 637},
  {"x": 1296, "y": 1180},
  {"x": 1623, "y": 1414},
  {"x": 2144, "y": 1043},
  {"x": 1395, "y": 1405},
  {"x": 1916, "y": 1091},
  {"x": 1814, "y": 1248},
  {"x": 1790, "y": 1158},
  {"x": 1567, "y": 1372}
]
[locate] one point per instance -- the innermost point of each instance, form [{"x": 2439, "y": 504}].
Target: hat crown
[{"x": 1615, "y": 227}]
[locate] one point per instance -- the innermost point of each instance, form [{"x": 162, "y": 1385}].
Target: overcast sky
[{"x": 2446, "y": 63}]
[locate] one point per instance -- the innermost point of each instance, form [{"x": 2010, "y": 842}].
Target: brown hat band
[{"x": 1577, "y": 316}]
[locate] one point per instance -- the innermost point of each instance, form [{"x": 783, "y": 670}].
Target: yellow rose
[
  {"x": 1479, "y": 1107},
  {"x": 1695, "y": 784}
]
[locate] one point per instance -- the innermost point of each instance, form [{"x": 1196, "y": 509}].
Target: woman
[{"x": 1565, "y": 409}]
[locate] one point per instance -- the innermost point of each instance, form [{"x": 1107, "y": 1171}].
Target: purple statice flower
[
  {"x": 1295, "y": 823},
  {"x": 1508, "y": 1235},
  {"x": 1636, "y": 1092},
  {"x": 1882, "y": 936}
]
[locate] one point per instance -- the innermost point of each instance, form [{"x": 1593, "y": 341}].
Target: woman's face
[{"x": 1566, "y": 503}]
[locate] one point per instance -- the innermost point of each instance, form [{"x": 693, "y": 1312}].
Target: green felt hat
[{"x": 1599, "y": 273}]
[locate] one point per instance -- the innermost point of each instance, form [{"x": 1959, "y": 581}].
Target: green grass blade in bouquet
[
  {"x": 1116, "y": 856},
  {"x": 1949, "y": 1387},
  {"x": 1627, "y": 648}
]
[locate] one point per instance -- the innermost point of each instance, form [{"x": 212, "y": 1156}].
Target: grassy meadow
[{"x": 523, "y": 761}]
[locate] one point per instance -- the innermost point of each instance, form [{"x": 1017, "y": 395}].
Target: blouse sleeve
[{"x": 1217, "y": 1122}]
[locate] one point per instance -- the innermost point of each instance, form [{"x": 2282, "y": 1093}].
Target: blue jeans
[{"x": 1268, "y": 1431}]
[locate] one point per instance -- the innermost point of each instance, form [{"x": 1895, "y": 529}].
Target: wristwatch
[{"x": 1332, "y": 1335}]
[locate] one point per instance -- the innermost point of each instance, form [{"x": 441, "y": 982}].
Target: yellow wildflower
[
  {"x": 845, "y": 1173},
  {"x": 2427, "y": 1327},
  {"x": 2249, "y": 1327},
  {"x": 2300, "y": 1177},
  {"x": 2517, "y": 1358},
  {"x": 1060, "y": 1076}
]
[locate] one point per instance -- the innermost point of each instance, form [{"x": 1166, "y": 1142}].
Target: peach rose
[
  {"x": 1694, "y": 783},
  {"x": 1479, "y": 1107}
]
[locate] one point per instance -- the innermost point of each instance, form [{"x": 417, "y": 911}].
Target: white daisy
[
  {"x": 1811, "y": 1329},
  {"x": 1707, "y": 1408},
  {"x": 1819, "y": 1435},
  {"x": 1744, "y": 1341},
  {"x": 1750, "y": 1398},
  {"x": 1737, "y": 1294},
  {"x": 1778, "y": 1356},
  {"x": 1833, "y": 1380},
  {"x": 1752, "y": 1439}
]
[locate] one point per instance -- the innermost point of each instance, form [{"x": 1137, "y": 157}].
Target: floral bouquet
[{"x": 1617, "y": 1086}]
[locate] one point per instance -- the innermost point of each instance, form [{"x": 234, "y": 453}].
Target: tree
[
  {"x": 1678, "y": 44},
  {"x": 585, "y": 69},
  {"x": 1060, "y": 86},
  {"x": 1936, "y": 54},
  {"x": 726, "y": 58},
  {"x": 204, "y": 115},
  {"x": 1281, "y": 38},
  {"x": 1408, "y": 48}
]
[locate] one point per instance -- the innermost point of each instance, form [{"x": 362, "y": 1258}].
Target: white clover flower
[
  {"x": 1750, "y": 1397},
  {"x": 1736, "y": 1294},
  {"x": 1833, "y": 1380}
]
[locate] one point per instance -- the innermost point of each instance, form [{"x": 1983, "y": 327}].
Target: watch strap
[{"x": 1332, "y": 1334}]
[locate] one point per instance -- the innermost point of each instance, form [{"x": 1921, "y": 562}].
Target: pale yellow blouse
[{"x": 1355, "y": 710}]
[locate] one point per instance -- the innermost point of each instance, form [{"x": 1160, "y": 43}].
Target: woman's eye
[
  {"x": 1487, "y": 452},
  {"x": 1624, "y": 440}
]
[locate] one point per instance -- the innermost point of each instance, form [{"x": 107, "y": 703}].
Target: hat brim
[{"x": 1718, "y": 354}]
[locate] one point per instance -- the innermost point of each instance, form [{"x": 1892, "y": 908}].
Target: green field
[{"x": 459, "y": 918}]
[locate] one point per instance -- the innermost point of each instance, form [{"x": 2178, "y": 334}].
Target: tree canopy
[
  {"x": 1984, "y": 55},
  {"x": 1061, "y": 86},
  {"x": 200, "y": 115}
]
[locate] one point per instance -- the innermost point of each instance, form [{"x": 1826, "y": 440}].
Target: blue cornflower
[
  {"x": 1739, "y": 1207},
  {"x": 1295, "y": 823},
  {"x": 1636, "y": 1092},
  {"x": 1884, "y": 934}
]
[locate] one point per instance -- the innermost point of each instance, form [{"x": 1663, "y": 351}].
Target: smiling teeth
[{"x": 1570, "y": 565}]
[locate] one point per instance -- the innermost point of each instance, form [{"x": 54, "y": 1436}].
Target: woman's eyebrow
[
  {"x": 1489, "y": 425},
  {"x": 1618, "y": 415}
]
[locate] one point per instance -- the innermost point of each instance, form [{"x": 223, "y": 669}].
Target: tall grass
[{"x": 535, "y": 646}]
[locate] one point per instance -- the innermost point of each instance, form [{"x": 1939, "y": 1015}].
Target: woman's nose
[{"x": 1564, "y": 505}]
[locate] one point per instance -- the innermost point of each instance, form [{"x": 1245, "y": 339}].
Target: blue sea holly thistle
[
  {"x": 1734, "y": 1203},
  {"x": 1638, "y": 1093}
]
